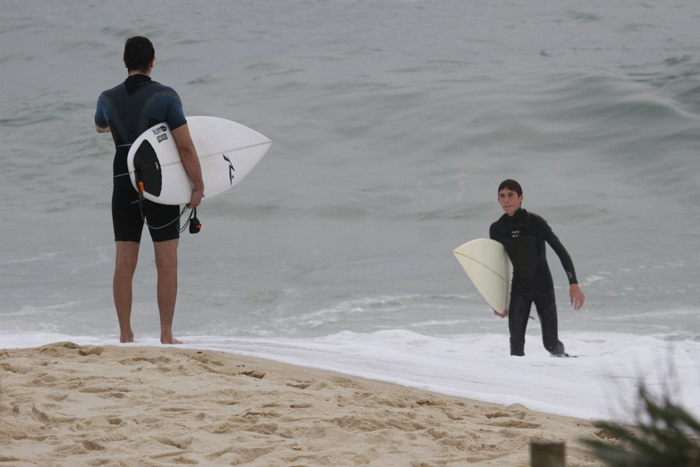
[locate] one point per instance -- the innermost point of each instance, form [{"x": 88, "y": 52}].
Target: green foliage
[{"x": 665, "y": 436}]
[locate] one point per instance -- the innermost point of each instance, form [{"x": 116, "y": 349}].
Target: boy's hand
[
  {"x": 577, "y": 297},
  {"x": 502, "y": 314}
]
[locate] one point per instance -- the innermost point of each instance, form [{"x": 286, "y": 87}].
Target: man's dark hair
[
  {"x": 138, "y": 53},
  {"x": 511, "y": 185}
]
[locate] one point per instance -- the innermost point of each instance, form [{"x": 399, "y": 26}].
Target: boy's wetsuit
[
  {"x": 129, "y": 109},
  {"x": 524, "y": 235}
]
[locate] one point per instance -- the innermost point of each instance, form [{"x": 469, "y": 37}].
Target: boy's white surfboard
[
  {"x": 490, "y": 270},
  {"x": 227, "y": 152}
]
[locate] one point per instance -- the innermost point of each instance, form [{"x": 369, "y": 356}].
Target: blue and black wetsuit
[
  {"x": 128, "y": 110},
  {"x": 524, "y": 235}
]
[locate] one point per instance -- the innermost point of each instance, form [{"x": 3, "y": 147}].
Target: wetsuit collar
[
  {"x": 134, "y": 82},
  {"x": 519, "y": 214}
]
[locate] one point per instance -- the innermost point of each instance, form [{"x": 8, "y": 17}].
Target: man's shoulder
[
  {"x": 148, "y": 90},
  {"x": 111, "y": 91},
  {"x": 155, "y": 86}
]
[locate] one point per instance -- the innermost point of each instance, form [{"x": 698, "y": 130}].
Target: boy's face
[{"x": 509, "y": 201}]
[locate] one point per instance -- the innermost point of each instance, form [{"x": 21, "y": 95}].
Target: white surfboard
[
  {"x": 227, "y": 152},
  {"x": 490, "y": 270}
]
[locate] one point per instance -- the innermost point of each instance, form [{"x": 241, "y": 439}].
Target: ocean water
[{"x": 393, "y": 122}]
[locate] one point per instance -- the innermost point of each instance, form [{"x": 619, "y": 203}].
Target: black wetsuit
[
  {"x": 129, "y": 109},
  {"x": 524, "y": 235}
]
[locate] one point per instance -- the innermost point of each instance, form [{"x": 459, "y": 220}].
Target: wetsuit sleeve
[
  {"x": 553, "y": 240},
  {"x": 100, "y": 119},
  {"x": 176, "y": 114}
]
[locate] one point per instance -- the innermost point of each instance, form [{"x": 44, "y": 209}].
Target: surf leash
[{"x": 194, "y": 224}]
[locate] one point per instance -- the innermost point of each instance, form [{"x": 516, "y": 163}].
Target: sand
[{"x": 70, "y": 405}]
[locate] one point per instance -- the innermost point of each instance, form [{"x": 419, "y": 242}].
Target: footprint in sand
[
  {"x": 84, "y": 352},
  {"x": 301, "y": 406},
  {"x": 92, "y": 445},
  {"x": 511, "y": 420},
  {"x": 257, "y": 374},
  {"x": 516, "y": 424},
  {"x": 40, "y": 416},
  {"x": 263, "y": 428},
  {"x": 300, "y": 384},
  {"x": 181, "y": 443}
]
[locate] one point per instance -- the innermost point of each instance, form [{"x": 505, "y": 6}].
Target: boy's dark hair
[
  {"x": 511, "y": 185},
  {"x": 138, "y": 53}
]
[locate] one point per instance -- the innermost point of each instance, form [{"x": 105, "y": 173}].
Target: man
[
  {"x": 126, "y": 111},
  {"x": 523, "y": 235}
]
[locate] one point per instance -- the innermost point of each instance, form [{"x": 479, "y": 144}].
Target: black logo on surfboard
[
  {"x": 231, "y": 170},
  {"x": 160, "y": 133}
]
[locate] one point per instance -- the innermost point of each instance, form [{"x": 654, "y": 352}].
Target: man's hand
[
  {"x": 577, "y": 297},
  {"x": 502, "y": 314},
  {"x": 196, "y": 200}
]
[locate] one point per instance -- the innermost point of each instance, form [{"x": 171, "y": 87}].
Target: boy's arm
[
  {"x": 559, "y": 249},
  {"x": 575, "y": 293}
]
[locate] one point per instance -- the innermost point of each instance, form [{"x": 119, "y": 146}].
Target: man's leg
[
  {"x": 166, "y": 263},
  {"x": 518, "y": 314},
  {"x": 547, "y": 311},
  {"x": 125, "y": 265}
]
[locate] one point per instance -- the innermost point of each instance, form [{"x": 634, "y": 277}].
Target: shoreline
[{"x": 66, "y": 404}]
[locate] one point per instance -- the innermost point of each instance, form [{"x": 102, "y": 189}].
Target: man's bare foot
[
  {"x": 126, "y": 338},
  {"x": 169, "y": 340}
]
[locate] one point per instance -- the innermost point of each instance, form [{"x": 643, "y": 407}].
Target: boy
[{"x": 523, "y": 234}]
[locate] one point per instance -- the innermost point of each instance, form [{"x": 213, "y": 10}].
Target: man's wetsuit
[
  {"x": 524, "y": 235},
  {"x": 129, "y": 109}
]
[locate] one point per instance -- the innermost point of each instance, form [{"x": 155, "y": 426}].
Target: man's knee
[
  {"x": 127, "y": 257},
  {"x": 166, "y": 254}
]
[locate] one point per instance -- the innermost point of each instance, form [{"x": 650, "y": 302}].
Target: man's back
[{"x": 132, "y": 107}]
